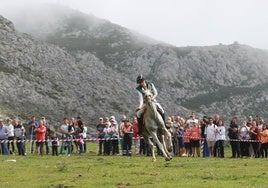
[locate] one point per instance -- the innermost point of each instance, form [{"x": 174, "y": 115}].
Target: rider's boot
[
  {"x": 163, "y": 116},
  {"x": 140, "y": 124}
]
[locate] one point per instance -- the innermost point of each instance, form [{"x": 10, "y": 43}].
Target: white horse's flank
[{"x": 154, "y": 126}]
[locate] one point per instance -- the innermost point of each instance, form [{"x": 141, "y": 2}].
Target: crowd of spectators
[
  {"x": 206, "y": 136},
  {"x": 42, "y": 137},
  {"x": 191, "y": 137}
]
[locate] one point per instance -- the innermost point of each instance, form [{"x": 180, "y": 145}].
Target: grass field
[{"x": 90, "y": 170}]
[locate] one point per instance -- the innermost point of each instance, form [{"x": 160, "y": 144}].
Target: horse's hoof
[
  {"x": 168, "y": 159},
  {"x": 153, "y": 159}
]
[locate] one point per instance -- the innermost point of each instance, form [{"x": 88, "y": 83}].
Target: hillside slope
[
  {"x": 41, "y": 79},
  {"x": 104, "y": 60}
]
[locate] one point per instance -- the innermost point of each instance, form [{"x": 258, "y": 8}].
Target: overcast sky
[{"x": 181, "y": 22}]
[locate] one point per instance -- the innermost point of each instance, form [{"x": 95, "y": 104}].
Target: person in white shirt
[
  {"x": 244, "y": 137},
  {"x": 67, "y": 132},
  {"x": 19, "y": 134},
  {"x": 10, "y": 137},
  {"x": 192, "y": 120},
  {"x": 210, "y": 135},
  {"x": 220, "y": 137},
  {"x": 107, "y": 136}
]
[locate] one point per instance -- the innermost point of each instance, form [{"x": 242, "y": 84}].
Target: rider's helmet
[{"x": 140, "y": 78}]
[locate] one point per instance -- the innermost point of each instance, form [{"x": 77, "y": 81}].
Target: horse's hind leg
[
  {"x": 165, "y": 147},
  {"x": 168, "y": 141}
]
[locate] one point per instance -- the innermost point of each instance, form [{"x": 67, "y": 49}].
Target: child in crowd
[
  {"x": 187, "y": 141},
  {"x": 181, "y": 141},
  {"x": 54, "y": 143}
]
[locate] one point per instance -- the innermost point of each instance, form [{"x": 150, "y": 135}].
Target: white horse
[{"x": 154, "y": 126}]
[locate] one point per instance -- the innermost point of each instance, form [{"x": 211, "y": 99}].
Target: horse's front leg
[
  {"x": 150, "y": 143},
  {"x": 160, "y": 145}
]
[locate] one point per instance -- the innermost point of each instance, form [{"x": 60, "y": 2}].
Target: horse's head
[{"x": 148, "y": 96}]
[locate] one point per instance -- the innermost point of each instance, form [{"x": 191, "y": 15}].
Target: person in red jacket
[
  {"x": 127, "y": 138},
  {"x": 254, "y": 132},
  {"x": 195, "y": 133},
  {"x": 136, "y": 136},
  {"x": 40, "y": 137}
]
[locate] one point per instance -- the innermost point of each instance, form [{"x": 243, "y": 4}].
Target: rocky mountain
[
  {"x": 38, "y": 78},
  {"x": 79, "y": 64}
]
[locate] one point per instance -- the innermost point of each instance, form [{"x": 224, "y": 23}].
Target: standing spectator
[
  {"x": 83, "y": 134},
  {"x": 120, "y": 130},
  {"x": 194, "y": 139},
  {"x": 250, "y": 119},
  {"x": 255, "y": 137},
  {"x": 3, "y": 138},
  {"x": 66, "y": 137},
  {"x": 114, "y": 137},
  {"x": 216, "y": 119},
  {"x": 187, "y": 140},
  {"x": 79, "y": 135},
  {"x": 177, "y": 126},
  {"x": 47, "y": 134},
  {"x": 72, "y": 126},
  {"x": 210, "y": 134},
  {"x": 40, "y": 137},
  {"x": 136, "y": 135},
  {"x": 112, "y": 119},
  {"x": 204, "y": 145},
  {"x": 244, "y": 138},
  {"x": 127, "y": 138},
  {"x": 107, "y": 143},
  {"x": 191, "y": 120},
  {"x": 220, "y": 137},
  {"x": 233, "y": 135},
  {"x": 10, "y": 137},
  {"x": 19, "y": 133},
  {"x": 264, "y": 141},
  {"x": 32, "y": 124},
  {"x": 106, "y": 119},
  {"x": 54, "y": 143},
  {"x": 100, "y": 134},
  {"x": 260, "y": 122},
  {"x": 85, "y": 138},
  {"x": 181, "y": 141}
]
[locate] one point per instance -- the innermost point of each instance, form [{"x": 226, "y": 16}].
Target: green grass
[{"x": 90, "y": 170}]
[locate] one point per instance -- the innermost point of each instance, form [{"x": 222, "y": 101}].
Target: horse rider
[{"x": 143, "y": 86}]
